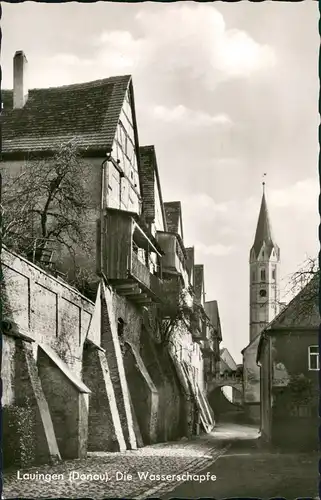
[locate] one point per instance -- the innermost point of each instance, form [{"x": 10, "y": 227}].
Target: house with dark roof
[
  {"x": 137, "y": 249},
  {"x": 190, "y": 259},
  {"x": 100, "y": 118},
  {"x": 153, "y": 209},
  {"x": 172, "y": 243},
  {"x": 288, "y": 357},
  {"x": 227, "y": 361},
  {"x": 211, "y": 340}
]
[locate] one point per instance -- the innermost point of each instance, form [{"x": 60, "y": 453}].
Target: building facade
[
  {"x": 143, "y": 323},
  {"x": 288, "y": 356}
]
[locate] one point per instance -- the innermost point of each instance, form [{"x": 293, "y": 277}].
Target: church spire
[{"x": 263, "y": 233}]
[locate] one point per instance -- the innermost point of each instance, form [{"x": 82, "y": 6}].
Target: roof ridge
[
  {"x": 172, "y": 203},
  {"x": 89, "y": 111},
  {"x": 75, "y": 86}
]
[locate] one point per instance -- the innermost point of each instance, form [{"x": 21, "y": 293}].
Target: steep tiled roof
[
  {"x": 255, "y": 339},
  {"x": 148, "y": 174},
  {"x": 212, "y": 312},
  {"x": 173, "y": 212},
  {"x": 147, "y": 154},
  {"x": 224, "y": 366},
  {"x": 227, "y": 357},
  {"x": 88, "y": 112},
  {"x": 190, "y": 261},
  {"x": 263, "y": 231},
  {"x": 302, "y": 313},
  {"x": 198, "y": 281}
]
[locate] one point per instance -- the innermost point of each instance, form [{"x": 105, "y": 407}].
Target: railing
[
  {"x": 140, "y": 271},
  {"x": 142, "y": 274}
]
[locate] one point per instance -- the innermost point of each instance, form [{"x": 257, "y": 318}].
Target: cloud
[
  {"x": 175, "y": 41},
  {"x": 302, "y": 195},
  {"x": 216, "y": 250},
  {"x": 196, "y": 38},
  {"x": 297, "y": 199},
  {"x": 68, "y": 59},
  {"x": 119, "y": 49},
  {"x": 189, "y": 117},
  {"x": 204, "y": 204},
  {"x": 228, "y": 162},
  {"x": 240, "y": 55}
]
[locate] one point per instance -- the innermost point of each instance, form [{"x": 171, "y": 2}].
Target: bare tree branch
[
  {"x": 307, "y": 277},
  {"x": 46, "y": 201}
]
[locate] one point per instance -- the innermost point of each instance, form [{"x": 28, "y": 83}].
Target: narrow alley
[
  {"x": 226, "y": 463},
  {"x": 159, "y": 266}
]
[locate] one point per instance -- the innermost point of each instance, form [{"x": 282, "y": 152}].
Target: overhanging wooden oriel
[{"x": 130, "y": 255}]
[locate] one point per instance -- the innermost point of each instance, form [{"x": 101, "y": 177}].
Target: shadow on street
[{"x": 248, "y": 470}]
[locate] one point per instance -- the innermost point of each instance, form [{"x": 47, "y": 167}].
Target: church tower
[{"x": 264, "y": 263}]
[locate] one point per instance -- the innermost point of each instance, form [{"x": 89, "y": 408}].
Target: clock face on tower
[{"x": 262, "y": 293}]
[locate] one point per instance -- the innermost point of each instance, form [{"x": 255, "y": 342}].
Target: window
[
  {"x": 120, "y": 328},
  {"x": 314, "y": 357},
  {"x": 301, "y": 411},
  {"x": 273, "y": 274},
  {"x": 263, "y": 275}
]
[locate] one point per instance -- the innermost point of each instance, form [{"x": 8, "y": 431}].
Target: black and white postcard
[{"x": 159, "y": 258}]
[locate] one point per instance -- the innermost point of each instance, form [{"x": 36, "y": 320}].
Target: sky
[{"x": 226, "y": 92}]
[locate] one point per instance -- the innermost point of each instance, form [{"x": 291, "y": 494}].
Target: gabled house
[
  {"x": 226, "y": 361},
  {"x": 153, "y": 211},
  {"x": 178, "y": 273},
  {"x": 201, "y": 326},
  {"x": 211, "y": 345},
  {"x": 136, "y": 250},
  {"x": 288, "y": 357},
  {"x": 100, "y": 118},
  {"x": 175, "y": 276},
  {"x": 190, "y": 259},
  {"x": 172, "y": 243}
]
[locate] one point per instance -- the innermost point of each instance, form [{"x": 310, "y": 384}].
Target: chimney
[{"x": 20, "y": 87}]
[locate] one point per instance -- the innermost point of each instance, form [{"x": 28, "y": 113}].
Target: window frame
[{"x": 313, "y": 355}]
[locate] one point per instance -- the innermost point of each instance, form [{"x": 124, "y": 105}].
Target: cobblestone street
[
  {"x": 254, "y": 473},
  {"x": 225, "y": 463},
  {"x": 161, "y": 459}
]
